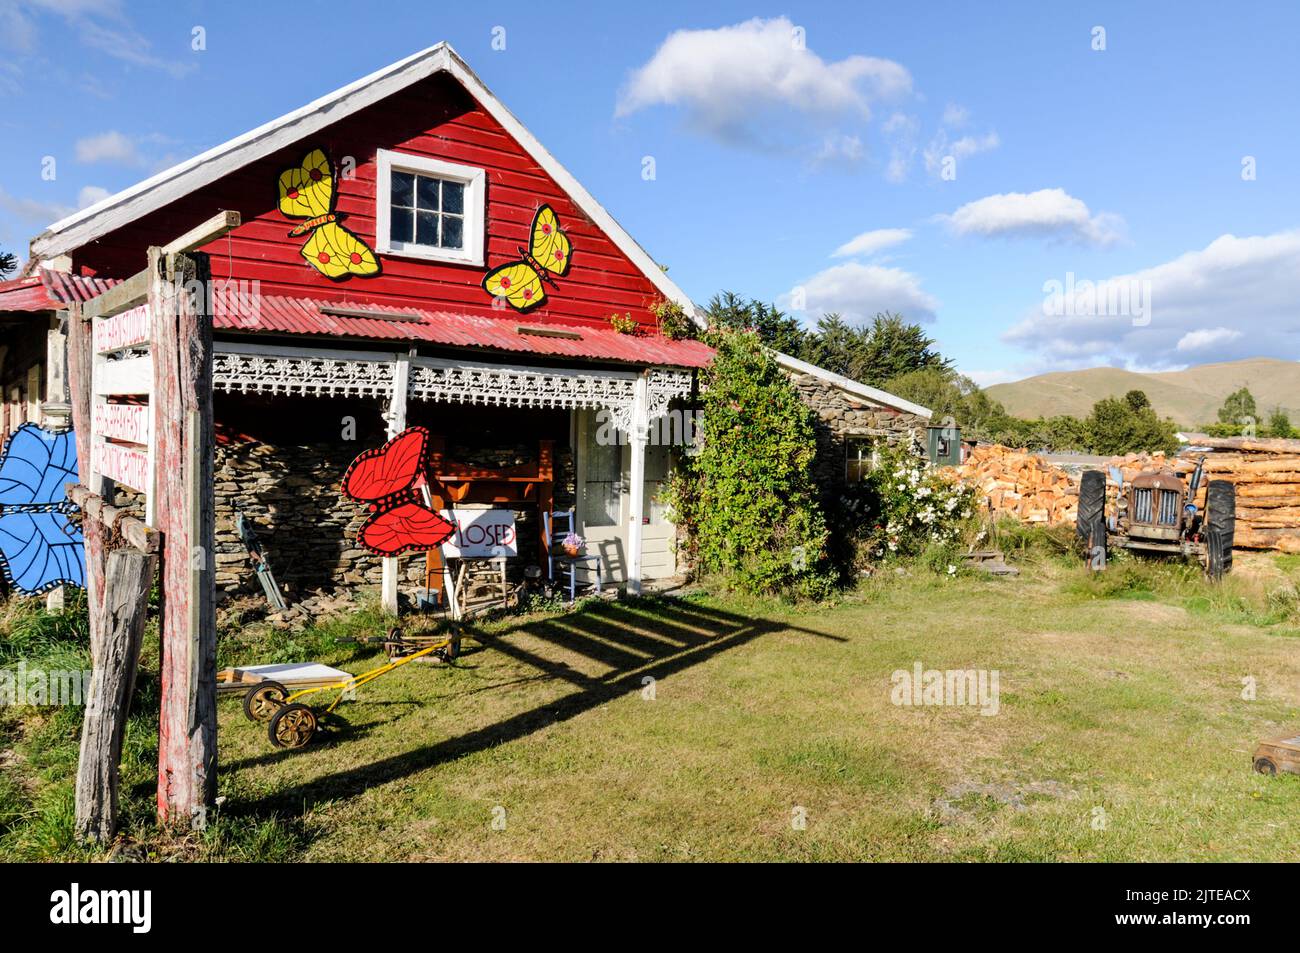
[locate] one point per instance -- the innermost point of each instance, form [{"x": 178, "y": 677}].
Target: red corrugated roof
[
  {"x": 49, "y": 291},
  {"x": 289, "y": 315},
  {"x": 278, "y": 314}
]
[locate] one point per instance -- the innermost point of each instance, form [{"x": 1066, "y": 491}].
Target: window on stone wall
[{"x": 860, "y": 457}]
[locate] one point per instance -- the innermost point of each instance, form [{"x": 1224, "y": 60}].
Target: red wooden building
[{"x": 356, "y": 290}]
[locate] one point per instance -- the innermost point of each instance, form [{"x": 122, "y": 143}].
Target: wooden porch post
[
  {"x": 639, "y": 436},
  {"x": 396, "y": 417}
]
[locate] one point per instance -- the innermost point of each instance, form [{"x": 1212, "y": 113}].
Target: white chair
[{"x": 558, "y": 524}]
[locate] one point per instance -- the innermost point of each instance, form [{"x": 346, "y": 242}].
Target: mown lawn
[{"x": 706, "y": 728}]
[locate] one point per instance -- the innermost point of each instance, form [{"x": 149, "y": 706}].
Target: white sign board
[
  {"x": 480, "y": 534},
  {"x": 121, "y": 418}
]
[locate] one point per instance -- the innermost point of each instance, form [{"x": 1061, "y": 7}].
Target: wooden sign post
[
  {"x": 140, "y": 365},
  {"x": 181, "y": 349}
]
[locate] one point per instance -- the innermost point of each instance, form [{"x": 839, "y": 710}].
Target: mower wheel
[
  {"x": 1090, "y": 523},
  {"x": 262, "y": 700},
  {"x": 1220, "y": 526},
  {"x": 293, "y": 726}
]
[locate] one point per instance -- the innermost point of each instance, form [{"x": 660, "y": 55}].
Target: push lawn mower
[{"x": 293, "y": 724}]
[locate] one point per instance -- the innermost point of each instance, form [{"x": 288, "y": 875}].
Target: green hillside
[{"x": 1190, "y": 397}]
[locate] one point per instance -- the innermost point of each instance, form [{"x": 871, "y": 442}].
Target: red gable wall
[{"x": 437, "y": 118}]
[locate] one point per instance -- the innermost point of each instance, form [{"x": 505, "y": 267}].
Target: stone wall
[
  {"x": 292, "y": 494},
  {"x": 841, "y": 415}
]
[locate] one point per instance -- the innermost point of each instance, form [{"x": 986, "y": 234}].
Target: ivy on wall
[{"x": 747, "y": 500}]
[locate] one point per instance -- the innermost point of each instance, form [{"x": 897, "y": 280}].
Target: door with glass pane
[{"x": 604, "y": 461}]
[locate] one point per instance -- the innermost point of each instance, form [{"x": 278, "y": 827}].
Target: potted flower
[{"x": 572, "y": 544}]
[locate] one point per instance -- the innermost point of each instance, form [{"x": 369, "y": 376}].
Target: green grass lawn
[{"x": 706, "y": 728}]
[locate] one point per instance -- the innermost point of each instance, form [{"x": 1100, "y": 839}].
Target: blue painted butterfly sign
[{"x": 40, "y": 547}]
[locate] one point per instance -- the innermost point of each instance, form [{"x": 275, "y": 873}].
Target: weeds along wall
[{"x": 280, "y": 461}]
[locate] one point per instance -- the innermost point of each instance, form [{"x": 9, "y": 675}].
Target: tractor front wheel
[{"x": 1220, "y": 527}]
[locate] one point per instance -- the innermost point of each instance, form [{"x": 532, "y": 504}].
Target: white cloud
[
  {"x": 868, "y": 243},
  {"x": 840, "y": 149},
  {"x": 955, "y": 116},
  {"x": 858, "y": 291},
  {"x": 33, "y": 210},
  {"x": 99, "y": 24},
  {"x": 1206, "y": 338},
  {"x": 941, "y": 147},
  {"x": 1235, "y": 298},
  {"x": 111, "y": 146},
  {"x": 91, "y": 194},
  {"x": 900, "y": 132},
  {"x": 1052, "y": 213},
  {"x": 732, "y": 80}
]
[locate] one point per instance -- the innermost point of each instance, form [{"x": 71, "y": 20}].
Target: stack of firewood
[
  {"x": 1267, "y": 477},
  {"x": 1021, "y": 484}
]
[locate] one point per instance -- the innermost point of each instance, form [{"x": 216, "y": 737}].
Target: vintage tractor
[{"x": 1157, "y": 513}]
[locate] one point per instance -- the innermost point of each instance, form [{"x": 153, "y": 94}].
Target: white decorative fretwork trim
[
  {"x": 250, "y": 369},
  {"x": 305, "y": 375}
]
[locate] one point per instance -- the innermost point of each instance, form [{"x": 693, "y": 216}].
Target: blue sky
[{"x": 976, "y": 153}]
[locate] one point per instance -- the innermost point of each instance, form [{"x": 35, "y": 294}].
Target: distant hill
[{"x": 1190, "y": 397}]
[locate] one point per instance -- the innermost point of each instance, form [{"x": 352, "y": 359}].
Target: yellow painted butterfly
[
  {"x": 519, "y": 283},
  {"x": 307, "y": 191}
]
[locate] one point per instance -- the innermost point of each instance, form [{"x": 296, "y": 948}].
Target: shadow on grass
[{"x": 651, "y": 638}]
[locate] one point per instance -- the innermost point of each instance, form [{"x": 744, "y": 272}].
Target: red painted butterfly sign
[{"x": 391, "y": 479}]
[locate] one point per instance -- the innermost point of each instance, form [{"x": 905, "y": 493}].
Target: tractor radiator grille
[
  {"x": 1142, "y": 506},
  {"x": 1169, "y": 503}
]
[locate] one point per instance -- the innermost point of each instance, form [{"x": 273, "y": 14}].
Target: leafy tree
[
  {"x": 894, "y": 347},
  {"x": 1240, "y": 404},
  {"x": 774, "y": 328},
  {"x": 1115, "y": 427},
  {"x": 1279, "y": 424},
  {"x": 1137, "y": 399},
  {"x": 952, "y": 395},
  {"x": 748, "y": 499},
  {"x": 8, "y": 263}
]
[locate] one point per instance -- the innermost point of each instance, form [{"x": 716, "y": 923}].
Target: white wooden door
[{"x": 603, "y": 468}]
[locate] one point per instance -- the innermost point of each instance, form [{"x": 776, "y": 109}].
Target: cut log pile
[
  {"x": 1267, "y": 477},
  {"x": 1266, "y": 474},
  {"x": 1021, "y": 484}
]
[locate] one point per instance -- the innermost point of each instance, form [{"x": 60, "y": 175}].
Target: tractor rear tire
[
  {"x": 1220, "y": 527},
  {"x": 1091, "y": 520}
]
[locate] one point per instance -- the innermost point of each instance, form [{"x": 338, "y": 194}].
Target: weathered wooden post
[
  {"x": 80, "y": 359},
  {"x": 182, "y": 397}
]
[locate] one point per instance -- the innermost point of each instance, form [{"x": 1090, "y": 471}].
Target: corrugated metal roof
[
  {"x": 49, "y": 291},
  {"x": 514, "y": 333}
]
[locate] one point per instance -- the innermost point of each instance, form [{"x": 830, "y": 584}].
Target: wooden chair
[{"x": 556, "y": 525}]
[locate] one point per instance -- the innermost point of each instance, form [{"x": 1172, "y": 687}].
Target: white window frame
[{"x": 475, "y": 182}]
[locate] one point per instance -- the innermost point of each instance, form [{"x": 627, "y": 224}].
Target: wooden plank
[
  {"x": 117, "y": 332},
  {"x": 120, "y": 297},
  {"x": 131, "y": 377},
  {"x": 96, "y": 511},
  {"x": 183, "y": 436},
  {"x": 129, "y": 422},
  {"x": 79, "y": 373},
  {"x": 128, "y": 579},
  {"x": 123, "y": 464},
  {"x": 201, "y": 234}
]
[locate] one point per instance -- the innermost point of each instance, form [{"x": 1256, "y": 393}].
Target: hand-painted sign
[
  {"x": 121, "y": 411},
  {"x": 128, "y": 329},
  {"x": 519, "y": 283},
  {"x": 39, "y": 547},
  {"x": 481, "y": 533},
  {"x": 391, "y": 479}
]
